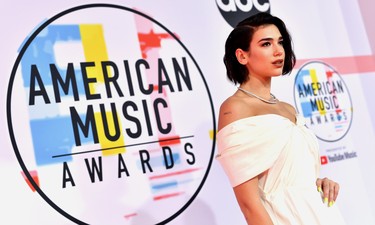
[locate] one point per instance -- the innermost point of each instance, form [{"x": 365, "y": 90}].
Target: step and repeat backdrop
[{"x": 109, "y": 109}]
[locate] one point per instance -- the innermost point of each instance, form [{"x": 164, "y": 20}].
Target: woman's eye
[
  {"x": 281, "y": 42},
  {"x": 266, "y": 44}
]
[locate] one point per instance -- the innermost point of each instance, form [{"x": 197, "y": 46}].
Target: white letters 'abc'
[{"x": 231, "y": 6}]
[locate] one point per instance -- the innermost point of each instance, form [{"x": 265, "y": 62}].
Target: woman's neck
[{"x": 260, "y": 87}]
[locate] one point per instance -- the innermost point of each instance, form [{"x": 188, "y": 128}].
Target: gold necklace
[{"x": 273, "y": 99}]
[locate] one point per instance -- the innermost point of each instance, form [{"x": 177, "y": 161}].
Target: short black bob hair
[{"x": 241, "y": 37}]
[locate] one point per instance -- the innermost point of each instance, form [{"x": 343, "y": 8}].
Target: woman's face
[{"x": 266, "y": 54}]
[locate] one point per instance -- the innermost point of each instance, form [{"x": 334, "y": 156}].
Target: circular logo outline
[
  {"x": 350, "y": 99},
  {"x": 9, "y": 111}
]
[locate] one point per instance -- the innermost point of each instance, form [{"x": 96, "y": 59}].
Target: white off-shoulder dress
[{"x": 288, "y": 155}]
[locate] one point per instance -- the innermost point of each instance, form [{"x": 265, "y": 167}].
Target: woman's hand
[{"x": 329, "y": 190}]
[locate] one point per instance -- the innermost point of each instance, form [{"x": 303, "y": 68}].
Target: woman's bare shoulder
[
  {"x": 289, "y": 107},
  {"x": 232, "y": 109}
]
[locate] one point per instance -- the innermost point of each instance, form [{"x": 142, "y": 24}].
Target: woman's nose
[{"x": 278, "y": 50}]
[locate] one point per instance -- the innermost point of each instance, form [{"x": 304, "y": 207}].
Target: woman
[{"x": 269, "y": 156}]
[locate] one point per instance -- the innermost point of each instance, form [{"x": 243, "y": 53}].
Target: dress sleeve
[{"x": 246, "y": 150}]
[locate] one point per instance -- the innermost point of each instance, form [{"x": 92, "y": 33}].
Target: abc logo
[{"x": 234, "y": 11}]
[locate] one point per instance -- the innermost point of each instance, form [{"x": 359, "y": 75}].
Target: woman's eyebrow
[{"x": 269, "y": 39}]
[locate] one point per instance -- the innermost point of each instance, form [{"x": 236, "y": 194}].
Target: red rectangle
[
  {"x": 173, "y": 140},
  {"x": 323, "y": 160},
  {"x": 34, "y": 175}
]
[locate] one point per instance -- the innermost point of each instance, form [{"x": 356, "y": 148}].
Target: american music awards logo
[
  {"x": 323, "y": 98},
  {"x": 110, "y": 117}
]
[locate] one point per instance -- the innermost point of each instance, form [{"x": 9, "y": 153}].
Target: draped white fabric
[{"x": 286, "y": 155}]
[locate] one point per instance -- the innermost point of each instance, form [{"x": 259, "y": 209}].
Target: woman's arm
[
  {"x": 248, "y": 198},
  {"x": 247, "y": 193}
]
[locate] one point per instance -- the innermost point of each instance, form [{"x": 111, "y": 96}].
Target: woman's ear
[{"x": 241, "y": 56}]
